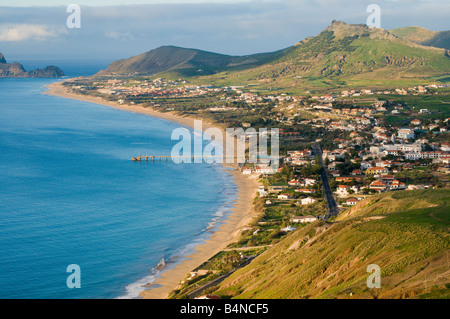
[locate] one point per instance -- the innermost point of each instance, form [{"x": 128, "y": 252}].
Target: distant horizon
[
  {"x": 110, "y": 60},
  {"x": 238, "y": 28}
]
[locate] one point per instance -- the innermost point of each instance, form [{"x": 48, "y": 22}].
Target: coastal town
[
  {"x": 249, "y": 152},
  {"x": 365, "y": 142},
  {"x": 368, "y": 154}
]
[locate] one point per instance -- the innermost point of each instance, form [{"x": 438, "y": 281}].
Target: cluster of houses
[
  {"x": 156, "y": 88},
  {"x": 180, "y": 88},
  {"x": 410, "y": 90},
  {"x": 401, "y": 148},
  {"x": 253, "y": 98},
  {"x": 381, "y": 172}
]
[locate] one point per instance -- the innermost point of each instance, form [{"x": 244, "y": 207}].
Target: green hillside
[
  {"x": 405, "y": 233},
  {"x": 343, "y": 55},
  {"x": 187, "y": 62},
  {"x": 347, "y": 55},
  {"x": 438, "y": 39}
]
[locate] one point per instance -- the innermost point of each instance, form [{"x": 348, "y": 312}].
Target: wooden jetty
[{"x": 159, "y": 158}]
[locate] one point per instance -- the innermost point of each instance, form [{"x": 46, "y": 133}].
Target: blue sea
[{"x": 70, "y": 194}]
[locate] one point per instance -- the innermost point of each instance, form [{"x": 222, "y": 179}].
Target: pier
[{"x": 165, "y": 158}]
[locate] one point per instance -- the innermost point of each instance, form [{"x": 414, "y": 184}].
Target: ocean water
[
  {"x": 71, "y": 67},
  {"x": 70, "y": 194}
]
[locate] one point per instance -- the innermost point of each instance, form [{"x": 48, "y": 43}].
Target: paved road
[{"x": 328, "y": 194}]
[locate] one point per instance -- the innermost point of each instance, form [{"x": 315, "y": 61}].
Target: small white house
[
  {"x": 307, "y": 201},
  {"x": 310, "y": 181},
  {"x": 345, "y": 190},
  {"x": 295, "y": 182},
  {"x": 284, "y": 196},
  {"x": 305, "y": 190},
  {"x": 303, "y": 219},
  {"x": 351, "y": 201}
]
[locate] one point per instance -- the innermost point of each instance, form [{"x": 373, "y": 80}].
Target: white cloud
[
  {"x": 119, "y": 35},
  {"x": 93, "y": 3},
  {"x": 24, "y": 32}
]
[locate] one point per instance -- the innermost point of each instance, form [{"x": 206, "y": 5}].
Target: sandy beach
[{"x": 227, "y": 233}]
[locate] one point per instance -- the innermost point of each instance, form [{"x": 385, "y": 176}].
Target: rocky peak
[
  {"x": 16, "y": 70},
  {"x": 342, "y": 30}
]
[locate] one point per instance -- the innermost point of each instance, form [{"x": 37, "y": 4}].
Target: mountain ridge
[
  {"x": 343, "y": 52},
  {"x": 169, "y": 57},
  {"x": 341, "y": 55}
]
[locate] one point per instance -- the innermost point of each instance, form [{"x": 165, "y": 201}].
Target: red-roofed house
[
  {"x": 284, "y": 196},
  {"x": 378, "y": 186},
  {"x": 351, "y": 201},
  {"x": 387, "y": 178},
  {"x": 294, "y": 182},
  {"x": 306, "y": 190},
  {"x": 397, "y": 185},
  {"x": 342, "y": 190},
  {"x": 376, "y": 170}
]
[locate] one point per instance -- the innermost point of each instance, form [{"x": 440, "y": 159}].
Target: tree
[
  {"x": 317, "y": 160},
  {"x": 230, "y": 260}
]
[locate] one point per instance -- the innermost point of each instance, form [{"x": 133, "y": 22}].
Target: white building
[
  {"x": 265, "y": 170},
  {"x": 344, "y": 190},
  {"x": 262, "y": 191},
  {"x": 304, "y": 219},
  {"x": 406, "y": 133},
  {"x": 310, "y": 181},
  {"x": 445, "y": 147},
  {"x": 308, "y": 200}
]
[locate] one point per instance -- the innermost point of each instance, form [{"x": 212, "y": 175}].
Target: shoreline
[{"x": 223, "y": 235}]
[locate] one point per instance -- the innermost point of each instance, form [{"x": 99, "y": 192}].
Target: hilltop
[
  {"x": 408, "y": 240},
  {"x": 349, "y": 55},
  {"x": 16, "y": 70},
  {"x": 342, "y": 55},
  {"x": 186, "y": 61}
]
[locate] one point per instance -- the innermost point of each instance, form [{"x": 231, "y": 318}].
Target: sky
[{"x": 114, "y": 29}]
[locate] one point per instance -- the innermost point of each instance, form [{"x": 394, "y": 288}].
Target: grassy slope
[
  {"x": 182, "y": 61},
  {"x": 414, "y": 34},
  {"x": 344, "y": 55},
  {"x": 439, "y": 39},
  {"x": 405, "y": 233}
]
